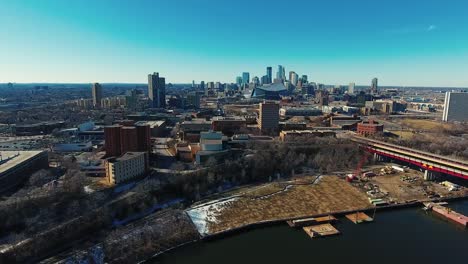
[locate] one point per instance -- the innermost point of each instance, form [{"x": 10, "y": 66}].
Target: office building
[
  {"x": 374, "y": 86},
  {"x": 455, "y": 107},
  {"x": 351, "y": 88},
  {"x": 293, "y": 78},
  {"x": 96, "y": 90},
  {"x": 245, "y": 78},
  {"x": 256, "y": 81},
  {"x": 239, "y": 80},
  {"x": 304, "y": 79},
  {"x": 265, "y": 80},
  {"x": 269, "y": 75},
  {"x": 281, "y": 74},
  {"x": 156, "y": 90},
  {"x": 193, "y": 100},
  {"x": 268, "y": 119},
  {"x": 127, "y": 167},
  {"x": 202, "y": 85},
  {"x": 131, "y": 99}
]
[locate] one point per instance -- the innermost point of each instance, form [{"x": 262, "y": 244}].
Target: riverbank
[{"x": 397, "y": 235}]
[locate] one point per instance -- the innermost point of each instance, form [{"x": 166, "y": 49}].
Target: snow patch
[{"x": 206, "y": 213}]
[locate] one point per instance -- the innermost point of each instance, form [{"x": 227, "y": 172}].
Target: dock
[
  {"x": 321, "y": 230},
  {"x": 359, "y": 218},
  {"x": 447, "y": 213},
  {"x": 311, "y": 221}
]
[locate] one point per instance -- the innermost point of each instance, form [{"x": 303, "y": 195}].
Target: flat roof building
[
  {"x": 15, "y": 166},
  {"x": 455, "y": 107},
  {"x": 268, "y": 119},
  {"x": 96, "y": 90},
  {"x": 367, "y": 128},
  {"x": 130, "y": 166}
]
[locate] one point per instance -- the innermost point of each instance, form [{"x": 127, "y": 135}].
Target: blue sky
[{"x": 402, "y": 42}]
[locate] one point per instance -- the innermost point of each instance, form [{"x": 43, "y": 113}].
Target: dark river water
[{"x": 397, "y": 236}]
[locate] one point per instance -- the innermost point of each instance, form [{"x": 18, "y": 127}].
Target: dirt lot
[
  {"x": 400, "y": 187},
  {"x": 329, "y": 194}
]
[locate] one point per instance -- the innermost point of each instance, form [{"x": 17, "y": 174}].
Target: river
[{"x": 398, "y": 236}]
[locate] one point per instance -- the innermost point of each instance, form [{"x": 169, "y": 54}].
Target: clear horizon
[{"x": 401, "y": 43}]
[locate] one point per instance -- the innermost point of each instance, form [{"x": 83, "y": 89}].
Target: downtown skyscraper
[
  {"x": 374, "y": 86},
  {"x": 281, "y": 74},
  {"x": 245, "y": 78},
  {"x": 269, "y": 75},
  {"x": 156, "y": 90}
]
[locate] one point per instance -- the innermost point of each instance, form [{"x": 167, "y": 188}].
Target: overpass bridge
[{"x": 430, "y": 162}]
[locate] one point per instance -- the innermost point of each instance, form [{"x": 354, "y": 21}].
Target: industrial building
[
  {"x": 368, "y": 128},
  {"x": 16, "y": 166},
  {"x": 130, "y": 166},
  {"x": 455, "y": 107}
]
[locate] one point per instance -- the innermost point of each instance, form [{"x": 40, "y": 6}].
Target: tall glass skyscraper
[
  {"x": 245, "y": 78},
  {"x": 281, "y": 74},
  {"x": 269, "y": 75}
]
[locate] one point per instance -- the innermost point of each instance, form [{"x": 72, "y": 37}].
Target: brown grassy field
[
  {"x": 422, "y": 124},
  {"x": 330, "y": 194}
]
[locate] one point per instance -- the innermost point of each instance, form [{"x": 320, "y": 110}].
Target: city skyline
[{"x": 86, "y": 42}]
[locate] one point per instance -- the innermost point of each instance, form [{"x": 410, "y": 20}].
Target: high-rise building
[
  {"x": 96, "y": 90},
  {"x": 128, "y": 139},
  {"x": 265, "y": 80},
  {"x": 455, "y": 107},
  {"x": 143, "y": 137},
  {"x": 268, "y": 119},
  {"x": 281, "y": 74},
  {"x": 304, "y": 79},
  {"x": 193, "y": 100},
  {"x": 269, "y": 75},
  {"x": 119, "y": 139},
  {"x": 193, "y": 84},
  {"x": 156, "y": 90},
  {"x": 245, "y": 78},
  {"x": 374, "y": 86},
  {"x": 202, "y": 85},
  {"x": 293, "y": 78},
  {"x": 131, "y": 99},
  {"x": 351, "y": 88},
  {"x": 255, "y": 81},
  {"x": 239, "y": 80},
  {"x": 112, "y": 140}
]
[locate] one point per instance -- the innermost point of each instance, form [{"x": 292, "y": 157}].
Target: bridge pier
[
  {"x": 379, "y": 158},
  {"x": 430, "y": 175}
]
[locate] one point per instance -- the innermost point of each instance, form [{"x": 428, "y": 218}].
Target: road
[{"x": 164, "y": 157}]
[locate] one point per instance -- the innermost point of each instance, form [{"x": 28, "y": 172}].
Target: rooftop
[{"x": 17, "y": 157}]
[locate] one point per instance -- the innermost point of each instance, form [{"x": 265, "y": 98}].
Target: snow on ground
[{"x": 206, "y": 213}]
